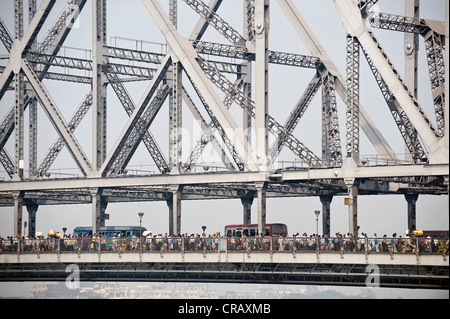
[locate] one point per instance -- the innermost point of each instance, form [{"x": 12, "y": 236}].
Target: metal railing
[{"x": 406, "y": 245}]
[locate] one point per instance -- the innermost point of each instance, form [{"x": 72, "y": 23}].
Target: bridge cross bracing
[{"x": 225, "y": 86}]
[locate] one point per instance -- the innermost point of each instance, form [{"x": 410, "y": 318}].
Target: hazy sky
[{"x": 380, "y": 214}]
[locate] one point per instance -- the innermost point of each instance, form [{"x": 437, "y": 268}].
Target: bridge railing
[{"x": 406, "y": 245}]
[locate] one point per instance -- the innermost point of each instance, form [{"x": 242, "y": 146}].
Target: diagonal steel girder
[
  {"x": 135, "y": 116},
  {"x": 20, "y": 47},
  {"x": 146, "y": 136},
  {"x": 17, "y": 63},
  {"x": 356, "y": 26},
  {"x": 186, "y": 54},
  {"x": 312, "y": 43},
  {"x": 59, "y": 144},
  {"x": 57, "y": 120},
  {"x": 50, "y": 45}
]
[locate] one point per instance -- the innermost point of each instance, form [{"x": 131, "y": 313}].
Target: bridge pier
[
  {"x": 18, "y": 210},
  {"x": 247, "y": 210},
  {"x": 98, "y": 210},
  {"x": 32, "y": 209},
  {"x": 174, "y": 204},
  {"x": 247, "y": 202},
  {"x": 262, "y": 197},
  {"x": 411, "y": 199},
  {"x": 326, "y": 209}
]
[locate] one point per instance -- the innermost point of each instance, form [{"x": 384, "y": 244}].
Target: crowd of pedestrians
[{"x": 201, "y": 242}]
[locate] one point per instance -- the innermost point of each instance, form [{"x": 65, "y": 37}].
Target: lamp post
[
  {"x": 140, "y": 214},
  {"x": 317, "y": 212}
]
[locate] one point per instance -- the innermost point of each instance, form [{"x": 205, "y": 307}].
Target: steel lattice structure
[{"x": 195, "y": 70}]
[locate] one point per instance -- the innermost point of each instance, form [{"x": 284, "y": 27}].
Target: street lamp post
[
  {"x": 317, "y": 212},
  {"x": 140, "y": 214}
]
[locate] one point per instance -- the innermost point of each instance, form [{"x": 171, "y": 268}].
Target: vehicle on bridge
[
  {"x": 251, "y": 230},
  {"x": 113, "y": 237}
]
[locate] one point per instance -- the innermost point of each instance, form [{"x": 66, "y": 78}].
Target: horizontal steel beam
[
  {"x": 155, "y": 180},
  {"x": 230, "y": 177},
  {"x": 367, "y": 172}
]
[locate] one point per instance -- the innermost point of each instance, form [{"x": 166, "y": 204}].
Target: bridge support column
[
  {"x": 247, "y": 213},
  {"x": 326, "y": 209},
  {"x": 352, "y": 203},
  {"x": 98, "y": 210},
  {"x": 261, "y": 189},
  {"x": 175, "y": 211},
  {"x": 18, "y": 209},
  {"x": 411, "y": 199},
  {"x": 32, "y": 209},
  {"x": 247, "y": 202}
]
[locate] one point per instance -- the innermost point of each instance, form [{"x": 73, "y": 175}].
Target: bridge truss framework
[{"x": 249, "y": 174}]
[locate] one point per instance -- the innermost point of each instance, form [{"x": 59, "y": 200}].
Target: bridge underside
[
  {"x": 293, "y": 274},
  {"x": 337, "y": 269}
]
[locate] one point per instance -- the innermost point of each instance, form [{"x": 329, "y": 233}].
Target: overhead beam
[{"x": 230, "y": 177}]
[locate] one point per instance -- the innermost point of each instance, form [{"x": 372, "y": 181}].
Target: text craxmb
[{"x": 228, "y": 308}]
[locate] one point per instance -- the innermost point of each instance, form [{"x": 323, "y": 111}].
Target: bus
[
  {"x": 113, "y": 237},
  {"x": 272, "y": 230},
  {"x": 109, "y": 231}
]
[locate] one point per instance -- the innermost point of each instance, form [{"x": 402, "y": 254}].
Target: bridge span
[{"x": 372, "y": 269}]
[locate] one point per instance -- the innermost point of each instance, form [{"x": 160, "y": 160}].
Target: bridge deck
[
  {"x": 228, "y": 257},
  {"x": 308, "y": 268}
]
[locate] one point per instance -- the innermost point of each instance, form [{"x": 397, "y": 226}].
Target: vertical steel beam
[
  {"x": 326, "y": 213},
  {"x": 176, "y": 119},
  {"x": 331, "y": 141},
  {"x": 18, "y": 210},
  {"x": 32, "y": 110},
  {"x": 249, "y": 35},
  {"x": 411, "y": 200},
  {"x": 447, "y": 79},
  {"x": 99, "y": 109},
  {"x": 262, "y": 25},
  {"x": 411, "y": 48},
  {"x": 98, "y": 210},
  {"x": 175, "y": 210},
  {"x": 352, "y": 100},
  {"x": 353, "y": 208},
  {"x": 32, "y": 209},
  {"x": 247, "y": 203},
  {"x": 262, "y": 197},
  {"x": 411, "y": 56},
  {"x": 19, "y": 88},
  {"x": 175, "y": 104},
  {"x": 173, "y": 12}
]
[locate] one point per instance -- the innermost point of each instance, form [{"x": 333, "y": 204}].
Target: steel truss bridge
[{"x": 208, "y": 78}]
